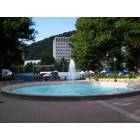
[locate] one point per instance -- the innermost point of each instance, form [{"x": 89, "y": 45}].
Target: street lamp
[
  {"x": 63, "y": 65},
  {"x": 115, "y": 59},
  {"x": 107, "y": 61},
  {"x": 135, "y": 68}
]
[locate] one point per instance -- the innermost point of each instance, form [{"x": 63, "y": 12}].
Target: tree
[
  {"x": 62, "y": 65},
  {"x": 115, "y": 53},
  {"x": 89, "y": 40},
  {"x": 28, "y": 67},
  {"x": 47, "y": 59},
  {"x": 14, "y": 32},
  {"x": 97, "y": 36}
]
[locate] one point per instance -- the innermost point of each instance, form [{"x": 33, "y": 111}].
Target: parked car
[
  {"x": 118, "y": 72},
  {"x": 106, "y": 72},
  {"x": 127, "y": 72},
  {"x": 82, "y": 75},
  {"x": 45, "y": 74},
  {"x": 6, "y": 73},
  {"x": 49, "y": 75}
]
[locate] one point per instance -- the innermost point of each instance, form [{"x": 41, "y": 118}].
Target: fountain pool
[
  {"x": 66, "y": 89},
  {"x": 70, "y": 88}
]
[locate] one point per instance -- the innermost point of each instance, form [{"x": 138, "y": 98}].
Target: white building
[
  {"x": 61, "y": 48},
  {"x": 31, "y": 61}
]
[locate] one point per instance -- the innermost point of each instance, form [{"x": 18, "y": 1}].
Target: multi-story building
[{"x": 61, "y": 48}]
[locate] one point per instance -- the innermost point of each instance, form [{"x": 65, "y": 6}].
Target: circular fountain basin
[{"x": 68, "y": 89}]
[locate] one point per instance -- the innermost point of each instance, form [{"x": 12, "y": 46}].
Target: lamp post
[
  {"x": 63, "y": 65},
  {"x": 107, "y": 61},
  {"x": 124, "y": 54},
  {"x": 115, "y": 59},
  {"x": 135, "y": 68}
]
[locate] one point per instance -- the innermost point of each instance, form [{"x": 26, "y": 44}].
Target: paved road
[{"x": 115, "y": 110}]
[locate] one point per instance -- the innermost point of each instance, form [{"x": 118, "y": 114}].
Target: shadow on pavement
[{"x": 1, "y": 102}]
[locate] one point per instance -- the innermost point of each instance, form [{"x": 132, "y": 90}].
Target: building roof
[{"x": 32, "y": 61}]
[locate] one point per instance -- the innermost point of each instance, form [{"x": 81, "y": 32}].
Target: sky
[{"x": 48, "y": 26}]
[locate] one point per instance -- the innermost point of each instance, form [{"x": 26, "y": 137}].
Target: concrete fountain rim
[{"x": 6, "y": 90}]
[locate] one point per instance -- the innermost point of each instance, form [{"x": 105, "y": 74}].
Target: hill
[{"x": 36, "y": 50}]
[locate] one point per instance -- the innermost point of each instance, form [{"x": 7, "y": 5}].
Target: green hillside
[{"x": 36, "y": 50}]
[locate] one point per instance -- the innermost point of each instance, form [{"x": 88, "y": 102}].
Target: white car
[
  {"x": 6, "y": 72},
  {"x": 91, "y": 72},
  {"x": 82, "y": 72},
  {"x": 45, "y": 73}
]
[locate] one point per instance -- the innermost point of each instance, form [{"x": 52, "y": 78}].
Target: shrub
[
  {"x": 8, "y": 78},
  {"x": 28, "y": 67},
  {"x": 130, "y": 76}
]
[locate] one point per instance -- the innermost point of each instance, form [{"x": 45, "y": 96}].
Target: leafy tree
[
  {"x": 62, "y": 65},
  {"x": 97, "y": 36},
  {"x": 128, "y": 30},
  {"x": 14, "y": 32},
  {"x": 47, "y": 59},
  {"x": 89, "y": 41},
  {"x": 115, "y": 53},
  {"x": 28, "y": 67}
]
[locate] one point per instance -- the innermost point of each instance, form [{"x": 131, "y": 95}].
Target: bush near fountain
[
  {"x": 112, "y": 76},
  {"x": 8, "y": 78}
]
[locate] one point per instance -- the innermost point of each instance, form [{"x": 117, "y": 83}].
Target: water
[
  {"x": 72, "y": 70},
  {"x": 70, "y": 89}
]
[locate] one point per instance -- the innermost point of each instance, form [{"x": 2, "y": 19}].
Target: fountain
[
  {"x": 69, "y": 89},
  {"x": 72, "y": 70}
]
